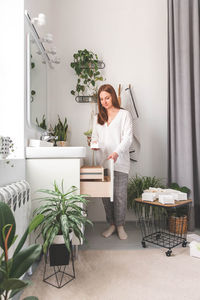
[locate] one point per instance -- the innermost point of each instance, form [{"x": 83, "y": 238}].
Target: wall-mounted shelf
[{"x": 86, "y": 99}]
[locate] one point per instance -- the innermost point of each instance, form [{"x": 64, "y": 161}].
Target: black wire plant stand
[
  {"x": 58, "y": 264},
  {"x": 163, "y": 225}
]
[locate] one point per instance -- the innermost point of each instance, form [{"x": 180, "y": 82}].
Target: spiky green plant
[
  {"x": 63, "y": 213},
  {"x": 60, "y": 129},
  {"x": 43, "y": 124},
  {"x": 137, "y": 185},
  {"x": 11, "y": 269}
]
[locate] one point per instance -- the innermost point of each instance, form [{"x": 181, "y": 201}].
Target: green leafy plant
[
  {"x": 183, "y": 189},
  {"x": 43, "y": 124},
  {"x": 137, "y": 185},
  {"x": 60, "y": 129},
  {"x": 86, "y": 67},
  {"x": 11, "y": 269},
  {"x": 182, "y": 210},
  {"x": 63, "y": 214},
  {"x": 88, "y": 133}
]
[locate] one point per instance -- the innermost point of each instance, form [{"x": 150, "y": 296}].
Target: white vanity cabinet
[
  {"x": 44, "y": 165},
  {"x": 42, "y": 172}
]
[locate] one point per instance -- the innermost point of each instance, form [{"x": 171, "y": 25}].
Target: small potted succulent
[{"x": 88, "y": 134}]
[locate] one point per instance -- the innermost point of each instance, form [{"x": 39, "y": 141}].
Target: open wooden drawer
[{"x": 94, "y": 183}]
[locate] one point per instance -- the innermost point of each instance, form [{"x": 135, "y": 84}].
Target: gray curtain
[{"x": 184, "y": 99}]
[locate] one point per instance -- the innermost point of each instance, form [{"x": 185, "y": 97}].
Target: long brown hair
[{"x": 102, "y": 115}]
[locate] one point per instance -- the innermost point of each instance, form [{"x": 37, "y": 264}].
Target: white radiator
[{"x": 17, "y": 196}]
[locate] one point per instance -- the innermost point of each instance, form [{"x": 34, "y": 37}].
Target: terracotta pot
[{"x": 62, "y": 143}]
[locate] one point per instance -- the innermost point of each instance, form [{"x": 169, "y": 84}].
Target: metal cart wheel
[
  {"x": 184, "y": 243},
  {"x": 168, "y": 253},
  {"x": 144, "y": 244}
]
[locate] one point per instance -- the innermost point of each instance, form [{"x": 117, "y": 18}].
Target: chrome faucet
[{"x": 48, "y": 136}]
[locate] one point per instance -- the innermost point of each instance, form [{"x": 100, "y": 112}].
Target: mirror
[
  {"x": 37, "y": 93},
  {"x": 37, "y": 64}
]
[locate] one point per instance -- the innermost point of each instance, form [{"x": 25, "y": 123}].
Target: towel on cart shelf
[{"x": 164, "y": 196}]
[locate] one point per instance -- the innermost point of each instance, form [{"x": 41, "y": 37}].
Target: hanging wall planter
[
  {"x": 86, "y": 99},
  {"x": 87, "y": 68}
]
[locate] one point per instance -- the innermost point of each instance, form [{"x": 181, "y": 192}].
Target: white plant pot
[{"x": 59, "y": 239}]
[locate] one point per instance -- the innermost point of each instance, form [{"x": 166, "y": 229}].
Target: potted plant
[
  {"x": 88, "y": 134},
  {"x": 136, "y": 186},
  {"x": 63, "y": 213},
  {"x": 11, "y": 269},
  {"x": 86, "y": 66},
  {"x": 178, "y": 218},
  {"x": 60, "y": 131}
]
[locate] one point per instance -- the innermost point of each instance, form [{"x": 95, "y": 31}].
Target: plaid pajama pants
[{"x": 116, "y": 210}]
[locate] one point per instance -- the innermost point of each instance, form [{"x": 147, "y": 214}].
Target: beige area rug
[{"x": 146, "y": 274}]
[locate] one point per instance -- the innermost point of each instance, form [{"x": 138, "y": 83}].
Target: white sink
[{"x": 55, "y": 152}]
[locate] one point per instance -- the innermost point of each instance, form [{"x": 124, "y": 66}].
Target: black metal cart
[{"x": 163, "y": 225}]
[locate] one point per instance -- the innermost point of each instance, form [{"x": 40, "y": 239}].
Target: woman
[{"x": 112, "y": 130}]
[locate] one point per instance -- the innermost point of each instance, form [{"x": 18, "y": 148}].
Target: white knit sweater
[{"x": 116, "y": 137}]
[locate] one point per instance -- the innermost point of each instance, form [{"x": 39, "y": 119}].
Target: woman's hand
[{"x": 113, "y": 156}]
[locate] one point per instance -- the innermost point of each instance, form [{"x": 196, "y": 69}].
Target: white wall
[
  {"x": 12, "y": 86},
  {"x": 131, "y": 38}
]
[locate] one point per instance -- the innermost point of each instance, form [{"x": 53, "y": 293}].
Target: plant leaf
[
  {"x": 6, "y": 217},
  {"x": 65, "y": 230},
  {"x": 24, "y": 259},
  {"x": 13, "y": 284}
]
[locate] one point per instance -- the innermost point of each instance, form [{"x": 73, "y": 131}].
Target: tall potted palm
[{"x": 63, "y": 214}]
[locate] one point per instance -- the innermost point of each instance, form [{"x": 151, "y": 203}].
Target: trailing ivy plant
[{"x": 86, "y": 67}]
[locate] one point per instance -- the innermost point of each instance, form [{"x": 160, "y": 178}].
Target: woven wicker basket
[{"x": 178, "y": 225}]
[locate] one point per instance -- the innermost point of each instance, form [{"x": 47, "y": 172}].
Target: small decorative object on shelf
[
  {"x": 6, "y": 145},
  {"x": 88, "y": 135},
  {"x": 86, "y": 66}
]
